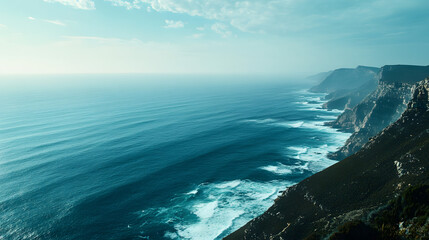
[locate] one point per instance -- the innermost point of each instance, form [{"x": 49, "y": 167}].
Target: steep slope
[
  {"x": 317, "y": 78},
  {"x": 346, "y": 79},
  {"x": 405, "y": 217},
  {"x": 358, "y": 185},
  {"x": 349, "y": 99},
  {"x": 380, "y": 108}
]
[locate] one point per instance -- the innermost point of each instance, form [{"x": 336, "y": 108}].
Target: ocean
[{"x": 152, "y": 157}]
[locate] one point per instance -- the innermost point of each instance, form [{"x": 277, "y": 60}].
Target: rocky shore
[
  {"x": 380, "y": 108},
  {"x": 387, "y": 155}
]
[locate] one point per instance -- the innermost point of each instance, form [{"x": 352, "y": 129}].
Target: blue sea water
[{"x": 152, "y": 157}]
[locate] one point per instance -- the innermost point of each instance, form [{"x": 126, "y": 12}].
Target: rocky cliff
[
  {"x": 346, "y": 87},
  {"x": 380, "y": 108},
  {"x": 317, "y": 78},
  {"x": 405, "y": 217},
  {"x": 356, "y": 187},
  {"x": 346, "y": 79},
  {"x": 342, "y": 100}
]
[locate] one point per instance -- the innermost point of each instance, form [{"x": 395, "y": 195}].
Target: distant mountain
[
  {"x": 405, "y": 217},
  {"x": 348, "y": 99},
  {"x": 346, "y": 79},
  {"x": 359, "y": 186},
  {"x": 380, "y": 108},
  {"x": 317, "y": 78},
  {"x": 346, "y": 87}
]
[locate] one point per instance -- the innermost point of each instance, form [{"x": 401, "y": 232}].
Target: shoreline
[
  {"x": 221, "y": 208},
  {"x": 315, "y": 157},
  {"x": 356, "y": 191}
]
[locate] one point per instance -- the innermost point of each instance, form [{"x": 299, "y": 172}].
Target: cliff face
[
  {"x": 405, "y": 217},
  {"x": 317, "y": 78},
  {"x": 346, "y": 79},
  {"x": 348, "y": 99},
  {"x": 355, "y": 187},
  {"x": 380, "y": 108}
]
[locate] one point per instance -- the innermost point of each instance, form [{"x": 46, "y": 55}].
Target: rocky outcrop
[
  {"x": 380, "y": 108},
  {"x": 356, "y": 187},
  {"x": 317, "y": 78},
  {"x": 405, "y": 217},
  {"x": 346, "y": 79},
  {"x": 346, "y": 87},
  {"x": 342, "y": 100}
]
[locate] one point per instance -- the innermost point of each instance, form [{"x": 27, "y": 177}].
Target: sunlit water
[{"x": 133, "y": 157}]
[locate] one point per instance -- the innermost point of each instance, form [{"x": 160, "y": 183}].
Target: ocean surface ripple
[{"x": 162, "y": 161}]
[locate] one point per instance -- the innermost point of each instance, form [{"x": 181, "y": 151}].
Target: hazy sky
[{"x": 210, "y": 36}]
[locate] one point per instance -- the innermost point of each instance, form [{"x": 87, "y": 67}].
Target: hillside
[
  {"x": 355, "y": 187},
  {"x": 346, "y": 79},
  {"x": 346, "y": 87},
  {"x": 380, "y": 108},
  {"x": 348, "y": 99}
]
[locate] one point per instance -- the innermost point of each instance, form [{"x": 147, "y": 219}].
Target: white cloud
[
  {"x": 174, "y": 24},
  {"x": 200, "y": 28},
  {"x": 133, "y": 4},
  {"x": 3, "y": 26},
  {"x": 283, "y": 16},
  {"x": 98, "y": 39},
  {"x": 80, "y": 4},
  {"x": 56, "y": 22},
  {"x": 244, "y": 15},
  {"x": 221, "y": 29},
  {"x": 197, "y": 35}
]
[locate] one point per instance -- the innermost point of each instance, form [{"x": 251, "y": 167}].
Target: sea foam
[
  {"x": 278, "y": 169},
  {"x": 218, "y": 209},
  {"x": 260, "y": 121},
  {"x": 213, "y": 210}
]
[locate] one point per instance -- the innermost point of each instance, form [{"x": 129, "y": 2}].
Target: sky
[{"x": 281, "y": 37}]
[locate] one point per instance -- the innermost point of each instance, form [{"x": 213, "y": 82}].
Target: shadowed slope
[{"x": 351, "y": 189}]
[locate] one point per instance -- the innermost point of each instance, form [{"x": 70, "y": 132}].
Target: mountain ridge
[
  {"x": 346, "y": 79},
  {"x": 380, "y": 108},
  {"x": 355, "y": 187}
]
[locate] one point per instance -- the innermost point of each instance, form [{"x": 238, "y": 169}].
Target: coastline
[
  {"x": 355, "y": 198},
  {"x": 272, "y": 144},
  {"x": 316, "y": 104},
  {"x": 221, "y": 204}
]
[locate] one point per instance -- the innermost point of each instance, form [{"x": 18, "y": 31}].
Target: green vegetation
[{"x": 406, "y": 217}]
